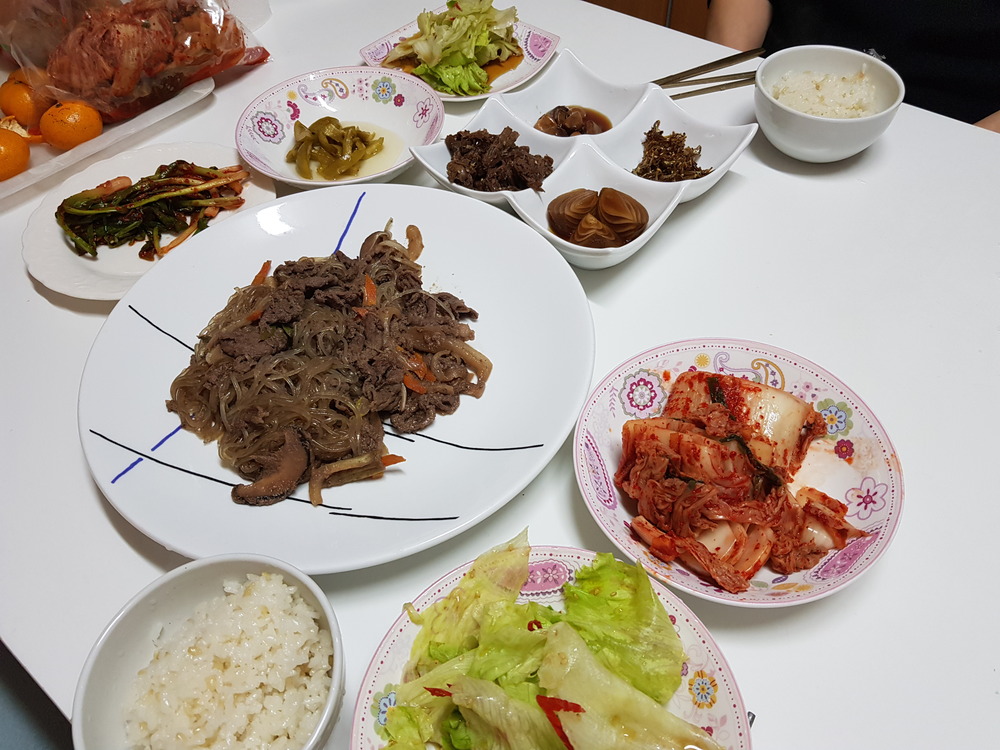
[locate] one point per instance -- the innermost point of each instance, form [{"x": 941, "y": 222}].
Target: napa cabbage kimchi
[{"x": 710, "y": 478}]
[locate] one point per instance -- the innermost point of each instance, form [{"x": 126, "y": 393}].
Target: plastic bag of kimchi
[{"x": 123, "y": 58}]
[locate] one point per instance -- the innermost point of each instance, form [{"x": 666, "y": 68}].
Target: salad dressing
[{"x": 497, "y": 68}]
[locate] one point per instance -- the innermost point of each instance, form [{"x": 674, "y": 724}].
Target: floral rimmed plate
[
  {"x": 401, "y": 109},
  {"x": 708, "y": 696},
  {"x": 855, "y": 462},
  {"x": 539, "y": 46}
]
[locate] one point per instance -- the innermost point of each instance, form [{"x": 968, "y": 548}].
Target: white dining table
[{"x": 884, "y": 269}]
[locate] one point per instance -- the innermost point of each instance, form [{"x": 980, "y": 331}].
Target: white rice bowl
[
  {"x": 251, "y": 666},
  {"x": 235, "y": 651},
  {"x": 799, "y": 90}
]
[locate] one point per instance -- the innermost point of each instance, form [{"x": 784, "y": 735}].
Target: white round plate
[
  {"x": 173, "y": 487},
  {"x": 854, "y": 463},
  {"x": 539, "y": 46},
  {"x": 50, "y": 257},
  {"x": 707, "y": 697}
]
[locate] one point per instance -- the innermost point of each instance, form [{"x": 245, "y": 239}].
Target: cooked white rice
[
  {"x": 249, "y": 669},
  {"x": 827, "y": 95}
]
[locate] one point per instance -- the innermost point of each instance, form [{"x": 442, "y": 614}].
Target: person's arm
[
  {"x": 740, "y": 24},
  {"x": 991, "y": 122}
]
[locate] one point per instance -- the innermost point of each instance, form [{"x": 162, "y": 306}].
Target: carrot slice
[
  {"x": 261, "y": 274},
  {"x": 412, "y": 382}
]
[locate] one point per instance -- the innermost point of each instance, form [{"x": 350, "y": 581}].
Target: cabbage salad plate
[
  {"x": 708, "y": 696},
  {"x": 854, "y": 462},
  {"x": 46, "y": 161},
  {"x": 538, "y": 46},
  {"x": 49, "y": 255},
  {"x": 174, "y": 488}
]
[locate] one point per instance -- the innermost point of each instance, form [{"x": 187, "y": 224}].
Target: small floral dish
[
  {"x": 400, "y": 108},
  {"x": 165, "y": 609},
  {"x": 855, "y": 462},
  {"x": 493, "y": 117},
  {"x": 708, "y": 695},
  {"x": 587, "y": 168},
  {"x": 539, "y": 47}
]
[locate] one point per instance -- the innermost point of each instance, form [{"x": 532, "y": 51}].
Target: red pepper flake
[
  {"x": 552, "y": 706},
  {"x": 438, "y": 692},
  {"x": 535, "y": 625}
]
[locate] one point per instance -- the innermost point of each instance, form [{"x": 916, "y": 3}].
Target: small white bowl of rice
[
  {"x": 819, "y": 103},
  {"x": 223, "y": 652}
]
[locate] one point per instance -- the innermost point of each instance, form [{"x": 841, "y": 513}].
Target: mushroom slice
[{"x": 290, "y": 462}]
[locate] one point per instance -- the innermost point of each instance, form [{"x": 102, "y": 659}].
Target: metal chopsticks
[
  {"x": 744, "y": 81},
  {"x": 726, "y": 81}
]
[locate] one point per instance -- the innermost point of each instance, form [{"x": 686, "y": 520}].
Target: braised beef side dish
[{"x": 489, "y": 162}]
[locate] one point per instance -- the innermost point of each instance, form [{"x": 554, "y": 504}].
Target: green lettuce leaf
[
  {"x": 496, "y": 721},
  {"x": 451, "y": 625},
  {"x": 615, "y": 715},
  {"x": 511, "y": 644},
  {"x": 452, "y": 47},
  {"x": 615, "y": 609}
]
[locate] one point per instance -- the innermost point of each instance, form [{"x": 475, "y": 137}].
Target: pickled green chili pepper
[{"x": 338, "y": 150}]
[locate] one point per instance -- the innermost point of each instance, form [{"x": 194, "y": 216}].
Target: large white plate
[
  {"x": 535, "y": 325},
  {"x": 539, "y": 46},
  {"x": 855, "y": 462},
  {"x": 47, "y": 161},
  {"x": 50, "y": 257},
  {"x": 708, "y": 696}
]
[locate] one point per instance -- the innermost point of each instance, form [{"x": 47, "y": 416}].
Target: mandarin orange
[
  {"x": 14, "y": 154},
  {"x": 68, "y": 124},
  {"x": 22, "y": 102}
]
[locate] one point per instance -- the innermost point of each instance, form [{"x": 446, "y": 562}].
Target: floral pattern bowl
[
  {"x": 400, "y": 108},
  {"x": 708, "y": 695},
  {"x": 855, "y": 462}
]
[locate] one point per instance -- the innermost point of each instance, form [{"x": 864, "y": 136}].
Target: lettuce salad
[
  {"x": 489, "y": 673},
  {"x": 452, "y": 47}
]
